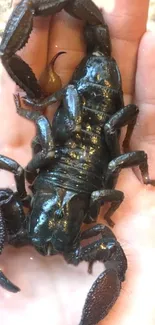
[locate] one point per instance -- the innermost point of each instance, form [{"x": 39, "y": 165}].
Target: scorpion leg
[
  {"x": 69, "y": 112},
  {"x": 106, "y": 288},
  {"x": 131, "y": 159},
  {"x": 126, "y": 116},
  {"x": 35, "y": 145},
  {"x": 11, "y": 222},
  {"x": 118, "y": 257},
  {"x": 12, "y": 166},
  {"x": 40, "y": 104},
  {"x": 98, "y": 198},
  {"x": 44, "y": 136},
  {"x": 67, "y": 119},
  {"x": 43, "y": 157}
]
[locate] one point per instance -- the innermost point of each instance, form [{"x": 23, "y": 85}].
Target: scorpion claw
[
  {"x": 22, "y": 74},
  {"x": 7, "y": 284},
  {"x": 15, "y": 37},
  {"x": 17, "y": 30},
  {"x": 106, "y": 289},
  {"x": 33, "y": 103}
]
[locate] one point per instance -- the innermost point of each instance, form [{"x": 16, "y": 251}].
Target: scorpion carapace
[{"x": 76, "y": 160}]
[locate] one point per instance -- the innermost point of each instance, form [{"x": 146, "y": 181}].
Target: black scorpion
[{"x": 76, "y": 161}]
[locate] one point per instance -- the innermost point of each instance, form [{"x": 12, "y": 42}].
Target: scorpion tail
[
  {"x": 7, "y": 284},
  {"x": 97, "y": 38},
  {"x": 49, "y": 80}
]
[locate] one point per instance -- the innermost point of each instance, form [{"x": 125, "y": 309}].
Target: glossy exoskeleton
[{"x": 76, "y": 161}]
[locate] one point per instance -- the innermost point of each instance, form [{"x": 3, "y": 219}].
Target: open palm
[{"x": 53, "y": 292}]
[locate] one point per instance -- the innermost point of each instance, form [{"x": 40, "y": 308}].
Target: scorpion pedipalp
[
  {"x": 107, "y": 285},
  {"x": 15, "y": 37},
  {"x": 18, "y": 30}
]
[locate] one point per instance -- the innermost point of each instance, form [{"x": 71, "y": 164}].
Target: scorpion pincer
[{"x": 83, "y": 142}]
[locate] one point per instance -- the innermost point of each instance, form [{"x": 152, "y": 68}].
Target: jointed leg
[
  {"x": 67, "y": 120},
  {"x": 29, "y": 115},
  {"x": 36, "y": 146},
  {"x": 106, "y": 249},
  {"x": 44, "y": 132},
  {"x": 40, "y": 104},
  {"x": 98, "y": 198},
  {"x": 126, "y": 116},
  {"x": 43, "y": 157},
  {"x": 12, "y": 166},
  {"x": 131, "y": 159},
  {"x": 12, "y": 227},
  {"x": 40, "y": 160},
  {"x": 44, "y": 138}
]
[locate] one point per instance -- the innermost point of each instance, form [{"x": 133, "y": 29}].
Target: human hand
[{"x": 52, "y": 291}]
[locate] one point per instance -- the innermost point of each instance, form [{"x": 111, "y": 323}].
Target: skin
[{"x": 51, "y": 290}]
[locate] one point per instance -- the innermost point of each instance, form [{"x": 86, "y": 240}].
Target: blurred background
[
  {"x": 5, "y": 8},
  {"x": 151, "y": 19}
]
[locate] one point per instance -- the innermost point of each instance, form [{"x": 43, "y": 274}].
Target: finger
[
  {"x": 145, "y": 85},
  {"x": 144, "y": 133},
  {"x": 127, "y": 23}
]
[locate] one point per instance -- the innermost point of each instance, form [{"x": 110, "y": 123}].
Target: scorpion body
[
  {"x": 81, "y": 149},
  {"x": 76, "y": 161}
]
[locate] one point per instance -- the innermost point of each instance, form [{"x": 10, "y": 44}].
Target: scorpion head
[{"x": 56, "y": 219}]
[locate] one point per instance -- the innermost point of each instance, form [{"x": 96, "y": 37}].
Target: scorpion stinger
[{"x": 18, "y": 30}]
